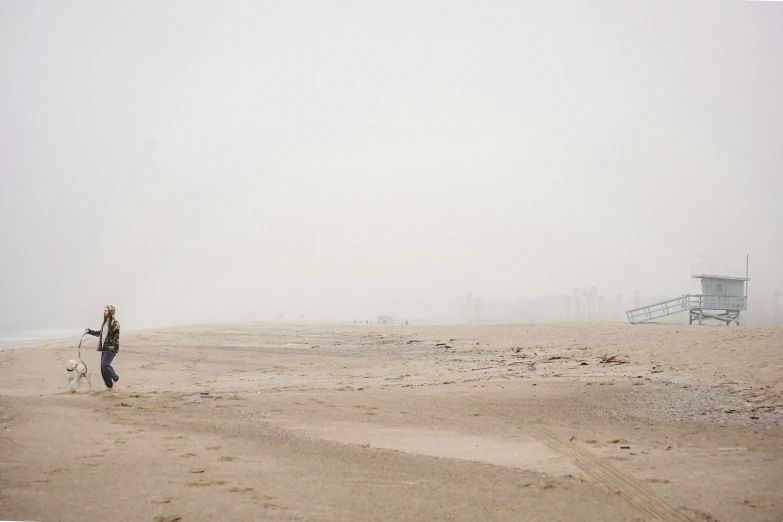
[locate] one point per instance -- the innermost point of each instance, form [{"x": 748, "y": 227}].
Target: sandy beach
[{"x": 582, "y": 421}]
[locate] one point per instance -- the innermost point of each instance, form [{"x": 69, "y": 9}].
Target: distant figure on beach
[{"x": 108, "y": 344}]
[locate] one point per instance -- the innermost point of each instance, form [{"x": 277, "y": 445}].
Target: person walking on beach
[{"x": 108, "y": 344}]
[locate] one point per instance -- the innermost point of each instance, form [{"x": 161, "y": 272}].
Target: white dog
[{"x": 75, "y": 373}]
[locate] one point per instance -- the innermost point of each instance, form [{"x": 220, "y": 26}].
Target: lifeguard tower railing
[{"x": 684, "y": 303}]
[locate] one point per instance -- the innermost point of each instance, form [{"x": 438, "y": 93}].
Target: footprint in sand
[
  {"x": 160, "y": 500},
  {"x": 213, "y": 448},
  {"x": 205, "y": 483},
  {"x": 226, "y": 458},
  {"x": 167, "y": 518},
  {"x": 237, "y": 489}
]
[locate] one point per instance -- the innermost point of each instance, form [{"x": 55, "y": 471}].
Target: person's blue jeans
[{"x": 107, "y": 372}]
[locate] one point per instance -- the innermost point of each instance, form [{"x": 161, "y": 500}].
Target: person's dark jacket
[{"x": 112, "y": 343}]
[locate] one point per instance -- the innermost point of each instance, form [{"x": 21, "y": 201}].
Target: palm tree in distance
[
  {"x": 586, "y": 309},
  {"x": 591, "y": 295}
]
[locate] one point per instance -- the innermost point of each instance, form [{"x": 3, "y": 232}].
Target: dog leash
[{"x": 80, "y": 352}]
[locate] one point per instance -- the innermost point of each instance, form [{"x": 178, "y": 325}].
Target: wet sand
[{"x": 588, "y": 421}]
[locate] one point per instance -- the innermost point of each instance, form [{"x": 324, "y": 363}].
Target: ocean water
[{"x": 22, "y": 337}]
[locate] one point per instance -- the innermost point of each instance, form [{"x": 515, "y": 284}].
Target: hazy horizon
[{"x": 210, "y": 161}]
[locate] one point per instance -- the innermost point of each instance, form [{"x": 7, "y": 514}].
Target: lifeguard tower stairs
[{"x": 722, "y": 299}]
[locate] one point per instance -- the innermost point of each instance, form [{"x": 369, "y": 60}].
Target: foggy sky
[{"x": 209, "y": 161}]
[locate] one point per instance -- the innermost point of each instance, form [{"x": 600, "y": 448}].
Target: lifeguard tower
[{"x": 722, "y": 299}]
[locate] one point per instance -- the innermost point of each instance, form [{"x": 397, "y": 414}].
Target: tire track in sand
[{"x": 628, "y": 488}]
